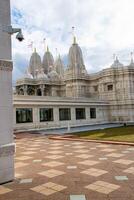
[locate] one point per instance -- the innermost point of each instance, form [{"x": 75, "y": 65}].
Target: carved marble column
[
  {"x": 25, "y": 90},
  {"x": 42, "y": 90},
  {"x": 7, "y": 146}
]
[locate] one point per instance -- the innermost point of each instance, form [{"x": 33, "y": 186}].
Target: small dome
[
  {"x": 35, "y": 63},
  {"x": 27, "y": 75},
  {"x": 42, "y": 75},
  {"x": 59, "y": 66},
  {"x": 48, "y": 60},
  {"x": 53, "y": 75},
  {"x": 117, "y": 63}
]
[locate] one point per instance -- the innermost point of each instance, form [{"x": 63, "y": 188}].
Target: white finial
[
  {"x": 73, "y": 29},
  {"x": 73, "y": 33},
  {"x": 44, "y": 43},
  {"x": 116, "y": 58},
  {"x": 56, "y": 51}
]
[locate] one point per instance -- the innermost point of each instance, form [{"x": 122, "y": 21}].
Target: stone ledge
[
  {"x": 6, "y": 65},
  {"x": 75, "y": 138},
  {"x": 7, "y": 150}
]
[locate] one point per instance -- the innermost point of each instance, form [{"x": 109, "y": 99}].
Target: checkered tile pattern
[
  {"x": 94, "y": 172},
  {"x": 49, "y": 188},
  {"x": 103, "y": 187},
  {"x": 53, "y": 169},
  {"x": 52, "y": 173}
]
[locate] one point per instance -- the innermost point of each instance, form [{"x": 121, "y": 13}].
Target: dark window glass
[
  {"x": 92, "y": 113},
  {"x": 110, "y": 87},
  {"x": 80, "y": 113},
  {"x": 96, "y": 88},
  {"x": 46, "y": 114},
  {"x": 64, "y": 114},
  {"x": 24, "y": 115}
]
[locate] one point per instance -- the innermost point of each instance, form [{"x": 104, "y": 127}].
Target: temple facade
[{"x": 52, "y": 96}]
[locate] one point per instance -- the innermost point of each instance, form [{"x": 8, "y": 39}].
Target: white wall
[{"x": 101, "y": 117}]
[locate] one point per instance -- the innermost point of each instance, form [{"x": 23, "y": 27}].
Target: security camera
[
  {"x": 19, "y": 36},
  {"x": 10, "y": 30}
]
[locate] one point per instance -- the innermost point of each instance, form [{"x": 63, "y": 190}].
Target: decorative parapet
[
  {"x": 7, "y": 150},
  {"x": 6, "y": 65}
]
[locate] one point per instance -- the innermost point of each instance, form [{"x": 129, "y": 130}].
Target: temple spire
[
  {"x": 132, "y": 61},
  {"x": 74, "y": 40},
  {"x": 114, "y": 57},
  {"x": 47, "y": 49},
  {"x": 74, "y": 37},
  {"x": 44, "y": 43},
  {"x": 34, "y": 50}
]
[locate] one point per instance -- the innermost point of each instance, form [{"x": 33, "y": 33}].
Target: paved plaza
[{"x": 70, "y": 170}]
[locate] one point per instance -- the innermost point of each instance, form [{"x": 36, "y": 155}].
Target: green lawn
[{"x": 125, "y": 134}]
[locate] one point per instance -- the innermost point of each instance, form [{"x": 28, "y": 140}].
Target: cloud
[{"x": 103, "y": 27}]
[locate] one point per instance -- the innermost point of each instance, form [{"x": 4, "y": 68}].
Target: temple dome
[
  {"x": 48, "y": 60},
  {"x": 75, "y": 57},
  {"x": 59, "y": 67},
  {"x": 35, "y": 63},
  {"x": 27, "y": 75},
  {"x": 42, "y": 75},
  {"x": 53, "y": 75},
  {"x": 117, "y": 63}
]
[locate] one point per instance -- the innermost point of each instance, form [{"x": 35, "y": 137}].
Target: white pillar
[{"x": 6, "y": 108}]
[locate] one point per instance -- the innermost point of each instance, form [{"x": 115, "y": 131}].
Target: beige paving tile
[
  {"x": 54, "y": 157},
  {"x": 4, "y": 190},
  {"x": 32, "y": 149},
  {"x": 89, "y": 162},
  {"x": 84, "y": 156},
  {"x": 59, "y": 187},
  {"x": 55, "y": 145},
  {"x": 103, "y": 145},
  {"x": 24, "y": 158},
  {"x": 28, "y": 152},
  {"x": 17, "y": 175},
  {"x": 94, "y": 172},
  {"x": 20, "y": 164},
  {"x": 129, "y": 170},
  {"x": 77, "y": 143},
  {"x": 108, "y": 150},
  {"x": 53, "y": 164},
  {"x": 55, "y": 152},
  {"x": 55, "y": 148},
  {"x": 115, "y": 155},
  {"x": 47, "y": 191},
  {"x": 124, "y": 161},
  {"x": 79, "y": 147},
  {"x": 51, "y": 173},
  {"x": 81, "y": 151},
  {"x": 103, "y": 187},
  {"x": 68, "y": 154},
  {"x": 48, "y": 188},
  {"x": 36, "y": 145}
]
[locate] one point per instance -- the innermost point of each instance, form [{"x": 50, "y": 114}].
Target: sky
[{"x": 102, "y": 28}]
